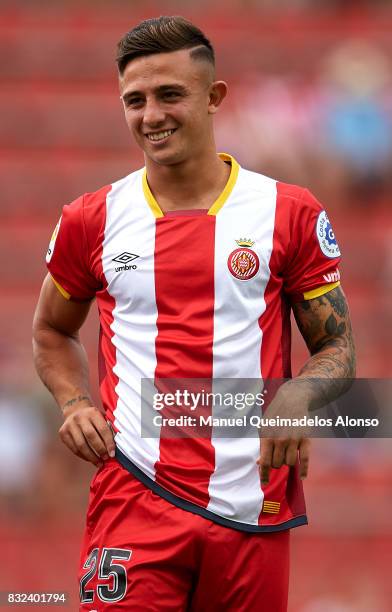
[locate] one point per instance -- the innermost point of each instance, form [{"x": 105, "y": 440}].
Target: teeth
[{"x": 160, "y": 135}]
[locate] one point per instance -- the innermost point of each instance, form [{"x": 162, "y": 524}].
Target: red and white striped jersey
[{"x": 197, "y": 294}]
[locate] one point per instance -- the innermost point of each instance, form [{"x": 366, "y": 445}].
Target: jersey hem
[{"x": 207, "y": 514}]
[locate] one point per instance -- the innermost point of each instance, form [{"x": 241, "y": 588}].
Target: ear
[
  {"x": 121, "y": 89},
  {"x": 218, "y": 91}
]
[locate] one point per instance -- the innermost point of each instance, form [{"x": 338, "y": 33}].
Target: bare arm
[
  {"x": 326, "y": 328},
  {"x": 325, "y": 325},
  {"x": 61, "y": 363}
]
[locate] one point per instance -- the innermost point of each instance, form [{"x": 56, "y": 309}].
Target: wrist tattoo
[{"x": 74, "y": 400}]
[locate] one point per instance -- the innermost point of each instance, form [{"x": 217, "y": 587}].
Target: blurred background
[{"x": 310, "y": 102}]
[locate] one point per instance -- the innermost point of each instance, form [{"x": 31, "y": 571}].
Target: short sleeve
[
  {"x": 67, "y": 256},
  {"x": 314, "y": 254}
]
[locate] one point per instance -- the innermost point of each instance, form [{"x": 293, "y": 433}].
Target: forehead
[{"x": 163, "y": 68}]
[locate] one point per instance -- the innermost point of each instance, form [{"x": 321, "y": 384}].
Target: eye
[
  {"x": 134, "y": 102},
  {"x": 171, "y": 95}
]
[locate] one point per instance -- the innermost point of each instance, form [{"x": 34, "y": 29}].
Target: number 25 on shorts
[{"x": 107, "y": 568}]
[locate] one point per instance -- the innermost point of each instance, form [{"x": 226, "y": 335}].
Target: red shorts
[{"x": 142, "y": 553}]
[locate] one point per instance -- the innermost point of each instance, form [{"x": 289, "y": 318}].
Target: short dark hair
[{"x": 163, "y": 35}]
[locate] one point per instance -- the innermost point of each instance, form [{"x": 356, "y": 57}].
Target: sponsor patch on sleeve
[
  {"x": 52, "y": 242},
  {"x": 326, "y": 237},
  {"x": 332, "y": 277}
]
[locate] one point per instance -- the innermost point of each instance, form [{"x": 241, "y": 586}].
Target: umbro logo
[{"x": 125, "y": 258}]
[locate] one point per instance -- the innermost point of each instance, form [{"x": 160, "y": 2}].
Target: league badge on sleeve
[
  {"x": 52, "y": 242},
  {"x": 326, "y": 237}
]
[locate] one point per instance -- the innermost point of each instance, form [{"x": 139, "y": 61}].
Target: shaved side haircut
[{"x": 163, "y": 35}]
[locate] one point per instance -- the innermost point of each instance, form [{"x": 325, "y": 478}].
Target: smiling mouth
[{"x": 158, "y": 136}]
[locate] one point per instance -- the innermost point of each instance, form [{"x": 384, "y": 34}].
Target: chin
[{"x": 166, "y": 158}]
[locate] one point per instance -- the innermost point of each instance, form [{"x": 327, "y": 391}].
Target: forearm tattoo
[
  {"x": 74, "y": 400},
  {"x": 325, "y": 325}
]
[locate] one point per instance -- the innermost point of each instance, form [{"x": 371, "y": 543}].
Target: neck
[{"x": 194, "y": 183}]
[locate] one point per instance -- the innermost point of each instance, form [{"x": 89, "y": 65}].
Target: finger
[
  {"x": 104, "y": 430},
  {"x": 292, "y": 453},
  {"x": 265, "y": 459},
  {"x": 68, "y": 440},
  {"x": 279, "y": 453},
  {"x": 304, "y": 452},
  {"x": 93, "y": 439},
  {"x": 83, "y": 449}
]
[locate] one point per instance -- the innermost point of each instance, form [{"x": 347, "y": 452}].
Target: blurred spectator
[
  {"x": 22, "y": 436},
  {"x": 355, "y": 121}
]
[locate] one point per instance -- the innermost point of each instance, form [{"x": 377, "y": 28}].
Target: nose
[{"x": 153, "y": 115}]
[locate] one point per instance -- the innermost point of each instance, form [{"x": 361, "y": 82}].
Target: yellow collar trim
[
  {"x": 235, "y": 168},
  {"x": 151, "y": 201},
  {"x": 219, "y": 202}
]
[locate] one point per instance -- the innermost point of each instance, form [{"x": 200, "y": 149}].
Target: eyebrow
[{"x": 161, "y": 89}]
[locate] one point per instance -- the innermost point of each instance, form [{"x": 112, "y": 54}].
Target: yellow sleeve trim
[
  {"x": 315, "y": 293},
  {"x": 63, "y": 292}
]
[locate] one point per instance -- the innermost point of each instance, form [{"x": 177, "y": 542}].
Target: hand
[
  {"x": 275, "y": 452},
  {"x": 284, "y": 445},
  {"x": 87, "y": 434}
]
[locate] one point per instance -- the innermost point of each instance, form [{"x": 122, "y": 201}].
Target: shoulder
[
  {"x": 248, "y": 180},
  {"x": 299, "y": 199},
  {"x": 91, "y": 206},
  {"x": 95, "y": 199},
  {"x": 287, "y": 194},
  {"x": 290, "y": 201},
  {"x": 75, "y": 210}
]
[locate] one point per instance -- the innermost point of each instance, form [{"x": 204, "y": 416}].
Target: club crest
[{"x": 243, "y": 262}]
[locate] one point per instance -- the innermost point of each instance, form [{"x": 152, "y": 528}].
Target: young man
[{"x": 194, "y": 263}]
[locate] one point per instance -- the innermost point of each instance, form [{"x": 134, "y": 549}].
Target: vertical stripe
[
  {"x": 275, "y": 320},
  {"x": 235, "y": 490},
  {"x": 130, "y": 228},
  {"x": 284, "y": 486},
  {"x": 94, "y": 214},
  {"x": 184, "y": 283}
]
